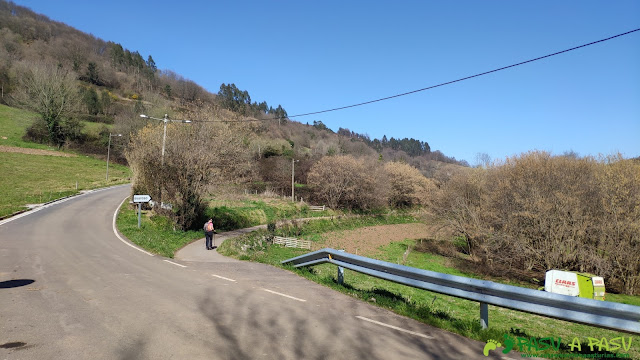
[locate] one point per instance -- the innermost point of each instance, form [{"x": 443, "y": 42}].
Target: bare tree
[
  {"x": 619, "y": 182},
  {"x": 408, "y": 187},
  {"x": 50, "y": 91},
  {"x": 196, "y": 156},
  {"x": 483, "y": 160},
  {"x": 344, "y": 181}
]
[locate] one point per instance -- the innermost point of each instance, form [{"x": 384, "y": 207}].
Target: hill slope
[{"x": 35, "y": 173}]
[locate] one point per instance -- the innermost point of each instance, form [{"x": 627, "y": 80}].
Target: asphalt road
[{"x": 71, "y": 288}]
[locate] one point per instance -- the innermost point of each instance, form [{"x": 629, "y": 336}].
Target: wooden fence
[{"x": 291, "y": 242}]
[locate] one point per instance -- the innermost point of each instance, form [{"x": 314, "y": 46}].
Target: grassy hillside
[
  {"x": 38, "y": 176},
  {"x": 13, "y": 125}
]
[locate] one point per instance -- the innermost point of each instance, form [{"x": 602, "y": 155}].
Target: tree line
[
  {"x": 239, "y": 101},
  {"x": 411, "y": 146}
]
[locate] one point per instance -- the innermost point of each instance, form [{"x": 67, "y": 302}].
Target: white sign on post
[{"x": 141, "y": 198}]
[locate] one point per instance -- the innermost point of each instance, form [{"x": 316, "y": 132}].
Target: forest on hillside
[
  {"x": 525, "y": 214},
  {"x": 115, "y": 84},
  {"x": 72, "y": 79}
]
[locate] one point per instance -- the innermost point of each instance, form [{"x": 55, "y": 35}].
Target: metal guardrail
[{"x": 608, "y": 315}]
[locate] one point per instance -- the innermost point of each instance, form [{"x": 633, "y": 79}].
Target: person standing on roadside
[{"x": 208, "y": 234}]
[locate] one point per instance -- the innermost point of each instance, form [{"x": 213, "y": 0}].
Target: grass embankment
[
  {"x": 248, "y": 211},
  {"x": 13, "y": 125},
  {"x": 456, "y": 315},
  {"x": 158, "y": 235},
  {"x": 35, "y": 178}
]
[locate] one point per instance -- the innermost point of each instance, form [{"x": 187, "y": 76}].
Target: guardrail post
[
  {"x": 602, "y": 314},
  {"x": 484, "y": 315},
  {"x": 341, "y": 273}
]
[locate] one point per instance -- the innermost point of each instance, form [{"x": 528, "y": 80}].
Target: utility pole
[
  {"x": 108, "y": 151},
  {"x": 292, "y": 175},
  {"x": 164, "y": 120}
]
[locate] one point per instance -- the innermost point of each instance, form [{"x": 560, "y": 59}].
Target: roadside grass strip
[{"x": 115, "y": 230}]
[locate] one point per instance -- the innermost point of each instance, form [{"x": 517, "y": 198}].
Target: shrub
[
  {"x": 408, "y": 187},
  {"x": 344, "y": 181},
  {"x": 539, "y": 212},
  {"x": 195, "y": 156}
]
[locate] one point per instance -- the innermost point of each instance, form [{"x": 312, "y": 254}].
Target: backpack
[{"x": 209, "y": 227}]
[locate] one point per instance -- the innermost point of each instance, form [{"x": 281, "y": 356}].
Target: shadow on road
[
  {"x": 259, "y": 325},
  {"x": 15, "y": 283},
  {"x": 133, "y": 351}
]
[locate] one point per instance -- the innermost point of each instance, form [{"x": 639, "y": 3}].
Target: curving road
[{"x": 70, "y": 288}]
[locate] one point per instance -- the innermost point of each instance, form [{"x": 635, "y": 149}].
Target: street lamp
[
  {"x": 292, "y": 172},
  {"x": 108, "y": 151},
  {"x": 165, "y": 120}
]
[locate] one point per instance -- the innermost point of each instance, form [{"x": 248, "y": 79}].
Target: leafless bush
[
  {"x": 408, "y": 187},
  {"x": 539, "y": 212},
  {"x": 344, "y": 181}
]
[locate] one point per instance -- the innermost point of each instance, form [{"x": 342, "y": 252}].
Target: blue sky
[{"x": 315, "y": 55}]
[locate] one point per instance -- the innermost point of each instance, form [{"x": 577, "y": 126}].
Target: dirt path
[
  {"x": 367, "y": 240},
  {"x": 13, "y": 149}
]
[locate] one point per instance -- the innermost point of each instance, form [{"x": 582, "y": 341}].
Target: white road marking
[
  {"x": 176, "y": 264},
  {"x": 115, "y": 231},
  {"x": 395, "y": 327},
  {"x": 52, "y": 203},
  {"x": 288, "y": 296},
  {"x": 223, "y": 278},
  {"x": 43, "y": 206}
]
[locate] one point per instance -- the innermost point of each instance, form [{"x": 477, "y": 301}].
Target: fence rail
[
  {"x": 608, "y": 315},
  {"x": 292, "y": 242}
]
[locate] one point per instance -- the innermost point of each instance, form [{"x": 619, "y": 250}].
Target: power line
[
  {"x": 431, "y": 87},
  {"x": 464, "y": 78},
  {"x": 233, "y": 121}
]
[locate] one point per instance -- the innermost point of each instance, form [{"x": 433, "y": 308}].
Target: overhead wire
[
  {"x": 433, "y": 86},
  {"x": 233, "y": 121}
]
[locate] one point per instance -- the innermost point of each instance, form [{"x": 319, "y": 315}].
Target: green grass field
[
  {"x": 249, "y": 210},
  {"x": 35, "y": 179},
  {"x": 13, "y": 125}
]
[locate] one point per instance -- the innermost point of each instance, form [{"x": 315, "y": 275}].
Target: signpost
[{"x": 139, "y": 199}]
